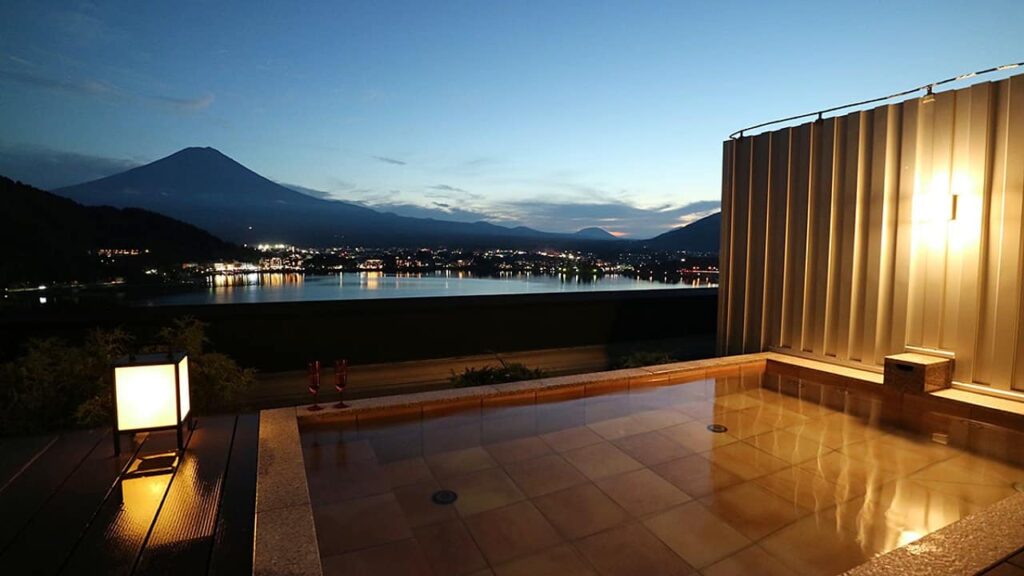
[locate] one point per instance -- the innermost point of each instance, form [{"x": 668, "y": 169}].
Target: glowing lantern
[{"x": 150, "y": 392}]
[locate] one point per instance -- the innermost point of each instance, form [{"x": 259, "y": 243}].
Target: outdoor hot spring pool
[{"x": 751, "y": 473}]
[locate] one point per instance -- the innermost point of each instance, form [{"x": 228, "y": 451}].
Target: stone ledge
[
  {"x": 969, "y": 546},
  {"x": 285, "y": 539},
  {"x": 286, "y": 543},
  {"x": 799, "y": 367},
  {"x": 529, "y": 391},
  {"x": 982, "y": 400}
]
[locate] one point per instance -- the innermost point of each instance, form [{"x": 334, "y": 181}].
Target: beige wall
[{"x": 838, "y": 241}]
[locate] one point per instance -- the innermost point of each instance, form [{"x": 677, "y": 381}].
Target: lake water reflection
[{"x": 293, "y": 287}]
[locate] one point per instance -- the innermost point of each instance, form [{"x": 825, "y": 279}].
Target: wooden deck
[{"x": 64, "y": 511}]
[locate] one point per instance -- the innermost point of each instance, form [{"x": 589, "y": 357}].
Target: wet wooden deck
[{"x": 64, "y": 511}]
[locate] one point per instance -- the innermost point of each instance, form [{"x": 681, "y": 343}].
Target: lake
[{"x": 284, "y": 287}]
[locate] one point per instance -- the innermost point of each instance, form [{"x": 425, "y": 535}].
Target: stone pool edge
[
  {"x": 971, "y": 545},
  {"x": 286, "y": 541},
  {"x": 436, "y": 402}
]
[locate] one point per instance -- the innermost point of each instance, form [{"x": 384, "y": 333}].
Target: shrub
[
  {"x": 215, "y": 380},
  {"x": 58, "y": 385},
  {"x": 42, "y": 389},
  {"x": 643, "y": 358},
  {"x": 507, "y": 372}
]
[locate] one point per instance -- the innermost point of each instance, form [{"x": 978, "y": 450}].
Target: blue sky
[{"x": 553, "y": 114}]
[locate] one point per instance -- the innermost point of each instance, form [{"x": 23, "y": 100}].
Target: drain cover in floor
[
  {"x": 717, "y": 428},
  {"x": 444, "y": 497}
]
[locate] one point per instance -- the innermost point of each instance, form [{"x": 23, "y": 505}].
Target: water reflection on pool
[{"x": 804, "y": 479}]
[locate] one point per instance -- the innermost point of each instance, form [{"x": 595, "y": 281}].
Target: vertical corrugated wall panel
[
  {"x": 1002, "y": 291},
  {"x": 1008, "y": 323},
  {"x": 861, "y": 215},
  {"x": 871, "y": 245},
  {"x": 865, "y": 315},
  {"x": 841, "y": 241},
  {"x": 738, "y": 248},
  {"x": 904, "y": 223},
  {"x": 838, "y": 222},
  {"x": 934, "y": 244},
  {"x": 993, "y": 205},
  {"x": 990, "y": 302},
  {"x": 917, "y": 294},
  {"x": 882, "y": 235},
  {"x": 778, "y": 220},
  {"x": 753, "y": 326},
  {"x": 845, "y": 232},
  {"x": 1015, "y": 183},
  {"x": 724, "y": 246},
  {"x": 970, "y": 181},
  {"x": 879, "y": 321},
  {"x": 819, "y": 236},
  {"x": 796, "y": 237},
  {"x": 956, "y": 254}
]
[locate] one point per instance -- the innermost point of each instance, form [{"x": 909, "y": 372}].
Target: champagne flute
[
  {"x": 341, "y": 381},
  {"x": 313, "y": 373}
]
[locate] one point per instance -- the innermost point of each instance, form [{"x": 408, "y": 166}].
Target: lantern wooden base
[
  {"x": 153, "y": 464},
  {"x": 187, "y": 423}
]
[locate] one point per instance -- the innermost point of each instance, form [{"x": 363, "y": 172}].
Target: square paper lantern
[{"x": 150, "y": 393}]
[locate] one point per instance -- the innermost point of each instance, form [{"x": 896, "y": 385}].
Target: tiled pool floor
[{"x": 635, "y": 483}]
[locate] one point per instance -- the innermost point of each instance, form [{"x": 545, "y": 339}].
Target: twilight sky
[{"x": 553, "y": 114}]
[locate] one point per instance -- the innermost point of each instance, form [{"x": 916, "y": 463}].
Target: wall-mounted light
[
  {"x": 929, "y": 96},
  {"x": 150, "y": 392}
]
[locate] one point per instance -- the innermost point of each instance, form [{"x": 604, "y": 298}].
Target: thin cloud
[
  {"x": 338, "y": 184},
  {"x": 618, "y": 217},
  {"x": 562, "y": 185},
  {"x": 439, "y": 211},
  {"x": 446, "y": 192},
  {"x": 308, "y": 191},
  {"x": 474, "y": 166},
  {"x": 100, "y": 89},
  {"x": 480, "y": 162},
  {"x": 49, "y": 169},
  {"x": 387, "y": 160},
  {"x": 371, "y": 198},
  {"x": 83, "y": 28},
  {"x": 687, "y": 219},
  {"x": 84, "y": 87},
  {"x": 186, "y": 104},
  {"x": 447, "y": 188},
  {"x": 21, "y": 61}
]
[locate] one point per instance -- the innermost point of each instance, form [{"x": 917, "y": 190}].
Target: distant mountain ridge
[
  {"x": 595, "y": 233},
  {"x": 208, "y": 189},
  {"x": 57, "y": 237},
  {"x": 704, "y": 235},
  {"x": 204, "y": 187}
]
